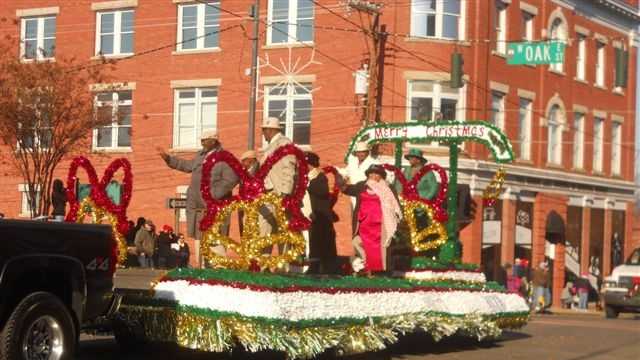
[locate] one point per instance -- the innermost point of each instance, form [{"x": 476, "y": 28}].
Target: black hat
[
  {"x": 377, "y": 169},
  {"x": 313, "y": 159}
]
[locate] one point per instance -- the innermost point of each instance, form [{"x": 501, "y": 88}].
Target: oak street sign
[{"x": 535, "y": 53}]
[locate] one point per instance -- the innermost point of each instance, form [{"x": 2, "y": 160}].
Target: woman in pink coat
[{"x": 377, "y": 214}]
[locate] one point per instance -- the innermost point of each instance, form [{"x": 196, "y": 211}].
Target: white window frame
[
  {"x": 117, "y": 32},
  {"x": 600, "y": 63},
  {"x": 598, "y": 143},
  {"x": 558, "y": 32},
  {"x": 292, "y": 31},
  {"x": 578, "y": 140},
  {"x": 555, "y": 126},
  {"x": 290, "y": 98},
  {"x": 200, "y": 27},
  {"x": 524, "y": 131},
  {"x": 439, "y": 18},
  {"x": 436, "y": 96},
  {"x": 25, "y": 207},
  {"x": 501, "y": 23},
  {"x": 39, "y": 37},
  {"x": 528, "y": 24},
  {"x": 498, "y": 114},
  {"x": 198, "y": 101},
  {"x": 581, "y": 61},
  {"x": 115, "y": 126},
  {"x": 616, "y": 148}
]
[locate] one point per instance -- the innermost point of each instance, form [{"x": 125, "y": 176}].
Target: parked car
[
  {"x": 621, "y": 290},
  {"x": 56, "y": 279}
]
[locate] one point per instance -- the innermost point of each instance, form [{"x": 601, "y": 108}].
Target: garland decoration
[
  {"x": 252, "y": 197},
  {"x": 98, "y": 203},
  {"x": 435, "y": 234},
  {"x": 219, "y": 332},
  {"x": 335, "y": 190},
  {"x": 281, "y": 283},
  {"x": 423, "y": 240},
  {"x": 425, "y": 263},
  {"x": 492, "y": 192}
]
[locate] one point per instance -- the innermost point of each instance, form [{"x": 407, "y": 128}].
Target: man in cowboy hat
[
  {"x": 281, "y": 177},
  {"x": 359, "y": 161},
  {"x": 223, "y": 180}
]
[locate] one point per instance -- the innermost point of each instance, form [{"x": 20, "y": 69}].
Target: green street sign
[{"x": 535, "y": 53}]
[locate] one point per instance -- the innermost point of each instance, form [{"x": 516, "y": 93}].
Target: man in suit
[
  {"x": 223, "y": 180},
  {"x": 281, "y": 178}
]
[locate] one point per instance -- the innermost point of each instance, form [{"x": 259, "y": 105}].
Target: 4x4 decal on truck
[{"x": 98, "y": 264}]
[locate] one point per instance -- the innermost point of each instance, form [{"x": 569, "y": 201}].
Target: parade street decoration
[
  {"x": 493, "y": 190},
  {"x": 452, "y": 133},
  {"x": 435, "y": 234},
  {"x": 335, "y": 189},
  {"x": 444, "y": 131},
  {"x": 98, "y": 204},
  {"x": 304, "y": 316},
  {"x": 251, "y": 198}
]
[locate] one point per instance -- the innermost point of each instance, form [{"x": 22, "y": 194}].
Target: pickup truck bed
[{"x": 52, "y": 274}]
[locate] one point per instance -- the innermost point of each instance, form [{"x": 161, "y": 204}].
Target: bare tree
[{"x": 46, "y": 113}]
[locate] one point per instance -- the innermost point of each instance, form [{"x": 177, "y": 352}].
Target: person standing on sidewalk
[
  {"x": 582, "y": 289},
  {"x": 146, "y": 245},
  {"x": 541, "y": 294},
  {"x": 58, "y": 200}
]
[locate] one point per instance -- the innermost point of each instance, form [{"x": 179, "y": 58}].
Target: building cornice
[{"x": 621, "y": 7}]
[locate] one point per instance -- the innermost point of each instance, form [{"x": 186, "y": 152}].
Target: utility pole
[
  {"x": 254, "y": 12},
  {"x": 376, "y": 37}
]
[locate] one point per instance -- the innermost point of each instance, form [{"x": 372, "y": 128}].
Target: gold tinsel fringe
[{"x": 221, "y": 334}]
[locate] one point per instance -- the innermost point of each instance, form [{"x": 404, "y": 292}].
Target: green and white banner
[{"x": 443, "y": 131}]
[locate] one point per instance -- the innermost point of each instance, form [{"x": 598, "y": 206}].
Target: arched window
[
  {"x": 558, "y": 32},
  {"x": 555, "y": 121}
]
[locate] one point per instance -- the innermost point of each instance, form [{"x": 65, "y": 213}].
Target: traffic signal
[
  {"x": 456, "y": 70},
  {"x": 622, "y": 67}
]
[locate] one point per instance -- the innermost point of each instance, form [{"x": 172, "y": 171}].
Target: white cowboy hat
[
  {"x": 250, "y": 154},
  {"x": 271, "y": 123},
  {"x": 209, "y": 134},
  {"x": 361, "y": 146}
]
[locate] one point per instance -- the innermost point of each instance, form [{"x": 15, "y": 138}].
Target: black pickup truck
[{"x": 56, "y": 279}]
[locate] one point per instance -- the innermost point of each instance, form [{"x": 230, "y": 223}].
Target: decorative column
[
  {"x": 508, "y": 227},
  {"x": 608, "y": 234},
  {"x": 587, "y": 203}
]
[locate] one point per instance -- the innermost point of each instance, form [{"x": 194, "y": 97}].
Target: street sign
[
  {"x": 535, "y": 53},
  {"x": 176, "y": 203}
]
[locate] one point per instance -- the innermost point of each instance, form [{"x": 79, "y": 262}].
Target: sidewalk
[{"x": 590, "y": 311}]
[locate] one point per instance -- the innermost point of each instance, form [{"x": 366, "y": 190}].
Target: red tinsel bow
[
  {"x": 251, "y": 187},
  {"x": 410, "y": 188},
  {"x": 335, "y": 190},
  {"x": 99, "y": 189}
]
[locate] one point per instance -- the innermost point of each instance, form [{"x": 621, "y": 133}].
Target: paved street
[{"x": 570, "y": 337}]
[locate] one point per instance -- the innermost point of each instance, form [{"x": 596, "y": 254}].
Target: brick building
[{"x": 182, "y": 66}]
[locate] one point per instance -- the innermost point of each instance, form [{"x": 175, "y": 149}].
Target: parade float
[{"x": 248, "y": 299}]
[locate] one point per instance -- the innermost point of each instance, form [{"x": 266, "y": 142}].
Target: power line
[{"x": 437, "y": 66}]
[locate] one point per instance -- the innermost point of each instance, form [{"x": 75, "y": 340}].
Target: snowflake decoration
[{"x": 289, "y": 71}]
